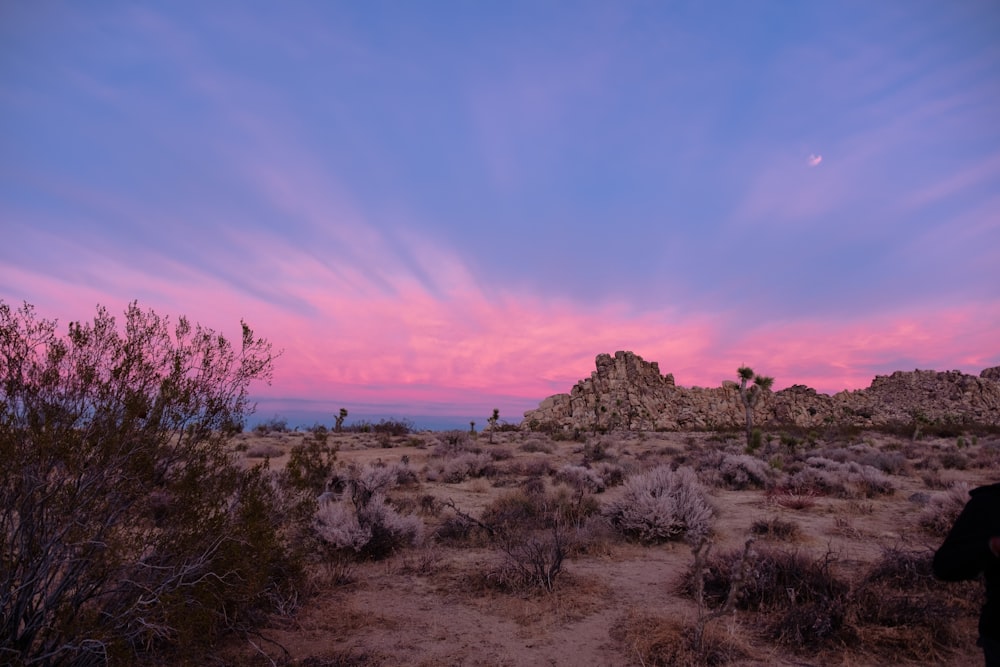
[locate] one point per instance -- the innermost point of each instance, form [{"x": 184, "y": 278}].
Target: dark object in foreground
[{"x": 973, "y": 548}]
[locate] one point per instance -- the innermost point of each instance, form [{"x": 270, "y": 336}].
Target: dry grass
[{"x": 657, "y": 640}]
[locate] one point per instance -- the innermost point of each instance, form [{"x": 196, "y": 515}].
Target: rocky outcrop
[{"x": 626, "y": 392}]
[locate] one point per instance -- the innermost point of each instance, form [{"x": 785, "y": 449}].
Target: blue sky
[{"x": 443, "y": 207}]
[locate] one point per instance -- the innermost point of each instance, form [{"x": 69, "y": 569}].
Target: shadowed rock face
[{"x": 626, "y": 392}]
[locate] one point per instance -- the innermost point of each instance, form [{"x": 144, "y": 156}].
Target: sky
[{"x": 438, "y": 208}]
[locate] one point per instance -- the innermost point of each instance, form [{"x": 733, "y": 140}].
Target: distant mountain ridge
[{"x": 627, "y": 392}]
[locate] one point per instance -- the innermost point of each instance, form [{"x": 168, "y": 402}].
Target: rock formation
[{"x": 626, "y": 392}]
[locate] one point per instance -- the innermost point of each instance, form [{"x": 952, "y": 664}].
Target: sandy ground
[{"x": 421, "y": 606}]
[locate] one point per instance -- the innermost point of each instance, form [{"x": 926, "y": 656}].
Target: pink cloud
[{"x": 460, "y": 345}]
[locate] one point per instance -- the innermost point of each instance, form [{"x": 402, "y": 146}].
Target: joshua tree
[
  {"x": 761, "y": 383},
  {"x": 472, "y": 428},
  {"x": 339, "y": 425},
  {"x": 493, "y": 423}
]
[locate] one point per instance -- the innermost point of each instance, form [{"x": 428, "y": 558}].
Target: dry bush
[
  {"x": 776, "y": 528},
  {"x": 891, "y": 462},
  {"x": 459, "y": 468},
  {"x": 425, "y": 561},
  {"x": 456, "y": 529},
  {"x": 666, "y": 641},
  {"x": 902, "y": 613},
  {"x": 513, "y": 510},
  {"x": 801, "y": 601},
  {"x": 933, "y": 479},
  {"x": 896, "y": 610},
  {"x": 500, "y": 453},
  {"x": 612, "y": 474},
  {"x": 537, "y": 468},
  {"x": 811, "y": 481},
  {"x": 774, "y": 578},
  {"x": 453, "y": 443},
  {"x": 872, "y": 482},
  {"x": 537, "y": 445},
  {"x": 539, "y": 509},
  {"x": 406, "y": 476},
  {"x": 374, "y": 530},
  {"x": 594, "y": 536},
  {"x": 844, "y": 480},
  {"x": 988, "y": 456},
  {"x": 662, "y": 505},
  {"x": 942, "y": 509},
  {"x": 789, "y": 498},
  {"x": 953, "y": 460},
  {"x": 263, "y": 450},
  {"x": 533, "y": 534},
  {"x": 580, "y": 477},
  {"x": 366, "y": 525},
  {"x": 742, "y": 471},
  {"x": 595, "y": 451},
  {"x": 530, "y": 560}
]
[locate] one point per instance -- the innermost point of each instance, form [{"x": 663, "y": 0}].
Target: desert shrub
[
  {"x": 533, "y": 486},
  {"x": 530, "y": 559},
  {"x": 263, "y": 450},
  {"x": 792, "y": 498},
  {"x": 933, "y": 479},
  {"x": 453, "y": 443},
  {"x": 892, "y": 463},
  {"x": 459, "y": 468},
  {"x": 310, "y": 464},
  {"x": 825, "y": 476},
  {"x": 774, "y": 579},
  {"x": 455, "y": 529},
  {"x": 988, "y": 456},
  {"x": 390, "y": 427},
  {"x": 572, "y": 509},
  {"x": 535, "y": 445},
  {"x": 801, "y": 601},
  {"x": 595, "y": 451},
  {"x": 742, "y": 471},
  {"x": 272, "y": 425},
  {"x": 374, "y": 530},
  {"x": 667, "y": 641},
  {"x": 953, "y": 460},
  {"x": 537, "y": 467},
  {"x": 516, "y": 509},
  {"x": 593, "y": 536},
  {"x": 405, "y": 474},
  {"x": 500, "y": 453},
  {"x": 902, "y": 612},
  {"x": 872, "y": 482},
  {"x": 775, "y": 528},
  {"x": 581, "y": 478},
  {"x": 366, "y": 524},
  {"x": 128, "y": 527},
  {"x": 942, "y": 509},
  {"x": 661, "y": 505},
  {"x": 612, "y": 474}
]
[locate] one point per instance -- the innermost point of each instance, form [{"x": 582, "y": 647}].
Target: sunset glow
[{"x": 442, "y": 212}]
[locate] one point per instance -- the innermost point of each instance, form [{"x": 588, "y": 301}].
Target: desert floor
[{"x": 616, "y": 601}]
